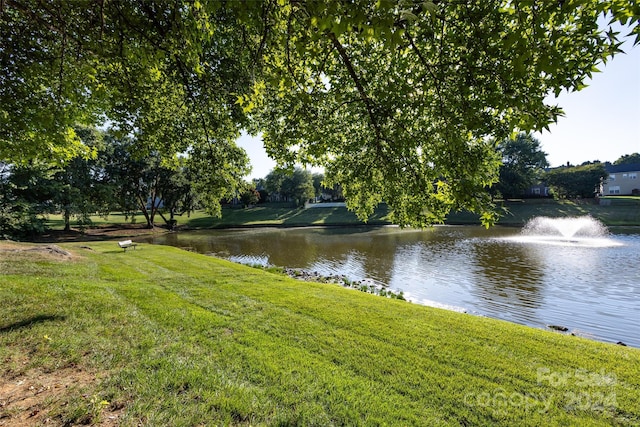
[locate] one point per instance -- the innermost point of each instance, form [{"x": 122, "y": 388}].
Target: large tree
[
  {"x": 522, "y": 165},
  {"x": 398, "y": 100},
  {"x": 152, "y": 70},
  {"x": 293, "y": 186},
  {"x": 26, "y": 194},
  {"x": 178, "y": 195},
  {"x": 576, "y": 181},
  {"x": 628, "y": 159},
  {"x": 79, "y": 186},
  {"x": 146, "y": 182}
]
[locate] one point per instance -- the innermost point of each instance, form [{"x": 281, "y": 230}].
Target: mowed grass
[
  {"x": 269, "y": 215},
  {"x": 261, "y": 215},
  {"x": 176, "y": 338},
  {"x": 620, "y": 211}
]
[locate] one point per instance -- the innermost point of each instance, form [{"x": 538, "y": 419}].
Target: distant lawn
[
  {"x": 517, "y": 212},
  {"x": 623, "y": 211},
  {"x": 627, "y": 198},
  {"x": 56, "y": 222},
  {"x": 260, "y": 215},
  {"x": 286, "y": 216},
  {"x": 160, "y": 336}
]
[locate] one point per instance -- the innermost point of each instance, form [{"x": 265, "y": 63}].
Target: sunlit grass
[
  {"x": 517, "y": 213},
  {"x": 265, "y": 215},
  {"x": 620, "y": 211},
  {"x": 261, "y": 215},
  {"x": 176, "y": 338}
]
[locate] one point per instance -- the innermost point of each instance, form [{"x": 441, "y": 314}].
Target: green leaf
[{"x": 430, "y": 7}]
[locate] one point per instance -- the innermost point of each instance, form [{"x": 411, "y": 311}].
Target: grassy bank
[
  {"x": 266, "y": 215},
  {"x": 160, "y": 336},
  {"x": 619, "y": 212}
]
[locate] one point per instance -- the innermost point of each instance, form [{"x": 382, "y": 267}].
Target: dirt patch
[
  {"x": 7, "y": 245},
  {"x": 51, "y": 250},
  {"x": 35, "y": 398},
  {"x": 41, "y": 251}
]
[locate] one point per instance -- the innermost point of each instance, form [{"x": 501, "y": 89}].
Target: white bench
[{"x": 125, "y": 244}]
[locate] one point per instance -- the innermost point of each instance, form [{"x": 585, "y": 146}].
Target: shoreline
[
  {"x": 621, "y": 213},
  {"x": 364, "y": 285},
  {"x": 170, "y": 334},
  {"x": 101, "y": 233},
  {"x": 371, "y": 287}
]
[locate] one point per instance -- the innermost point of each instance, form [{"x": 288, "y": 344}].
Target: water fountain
[{"x": 574, "y": 231}]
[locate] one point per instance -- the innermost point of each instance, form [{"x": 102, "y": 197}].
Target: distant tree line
[
  {"x": 524, "y": 165},
  {"x": 295, "y": 186},
  {"x": 119, "y": 175},
  {"x": 571, "y": 182}
]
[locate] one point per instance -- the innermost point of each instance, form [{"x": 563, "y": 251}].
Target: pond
[{"x": 590, "y": 285}]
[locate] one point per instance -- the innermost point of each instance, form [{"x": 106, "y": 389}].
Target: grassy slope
[
  {"x": 622, "y": 211},
  {"x": 184, "y": 339},
  {"x": 283, "y": 216}
]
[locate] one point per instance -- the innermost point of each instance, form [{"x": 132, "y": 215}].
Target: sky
[{"x": 601, "y": 122}]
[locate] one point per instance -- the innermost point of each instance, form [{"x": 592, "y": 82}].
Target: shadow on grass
[
  {"x": 34, "y": 320},
  {"x": 204, "y": 222},
  {"x": 297, "y": 216},
  {"x": 336, "y": 216}
]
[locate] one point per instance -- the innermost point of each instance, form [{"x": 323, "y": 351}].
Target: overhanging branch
[{"x": 368, "y": 103}]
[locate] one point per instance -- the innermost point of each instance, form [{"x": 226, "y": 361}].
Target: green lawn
[
  {"x": 621, "y": 211},
  {"x": 261, "y": 215},
  {"x": 161, "y": 336},
  {"x": 624, "y": 211},
  {"x": 284, "y": 216}
]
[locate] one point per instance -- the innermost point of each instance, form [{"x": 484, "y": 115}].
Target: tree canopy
[
  {"x": 296, "y": 186},
  {"x": 628, "y": 159},
  {"x": 523, "y": 162},
  {"x": 576, "y": 181},
  {"x": 398, "y": 100}
]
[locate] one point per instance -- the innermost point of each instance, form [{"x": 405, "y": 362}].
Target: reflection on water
[
  {"x": 509, "y": 281},
  {"x": 592, "y": 290}
]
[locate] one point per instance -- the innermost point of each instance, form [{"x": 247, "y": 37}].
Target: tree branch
[
  {"x": 288, "y": 50},
  {"x": 368, "y": 103},
  {"x": 63, "y": 48},
  {"x": 265, "y": 33}
]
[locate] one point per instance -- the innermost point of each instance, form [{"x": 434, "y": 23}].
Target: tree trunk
[
  {"x": 67, "y": 219},
  {"x": 145, "y": 212}
]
